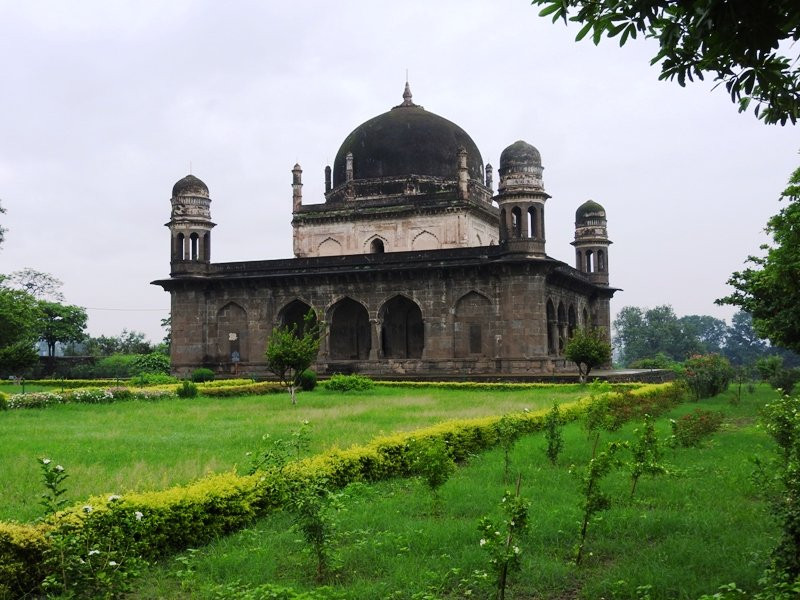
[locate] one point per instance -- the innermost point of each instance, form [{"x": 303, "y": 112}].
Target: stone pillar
[
  {"x": 463, "y": 174},
  {"x": 327, "y": 179},
  {"x": 489, "y": 180},
  {"x": 297, "y": 188},
  {"x": 349, "y": 167},
  {"x": 375, "y": 339}
]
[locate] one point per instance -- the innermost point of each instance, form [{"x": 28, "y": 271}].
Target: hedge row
[
  {"x": 251, "y": 389},
  {"x": 96, "y": 395},
  {"x": 157, "y": 523},
  {"x": 71, "y": 384},
  {"x": 493, "y": 386}
]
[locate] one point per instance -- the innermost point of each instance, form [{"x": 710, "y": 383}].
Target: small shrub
[
  {"x": 349, "y": 383},
  {"x": 187, "y": 389},
  {"x": 202, "y": 375},
  {"x": 707, "y": 375},
  {"x": 3, "y": 401},
  {"x": 768, "y": 366},
  {"x": 155, "y": 362},
  {"x": 659, "y": 361},
  {"x": 646, "y": 453},
  {"x": 785, "y": 379},
  {"x": 692, "y": 428},
  {"x": 553, "y": 435},
  {"x": 434, "y": 465},
  {"x": 145, "y": 379},
  {"x": 499, "y": 541},
  {"x": 508, "y": 432},
  {"x": 89, "y": 396},
  {"x": 308, "y": 380}
]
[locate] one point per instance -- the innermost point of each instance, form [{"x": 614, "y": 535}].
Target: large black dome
[{"x": 407, "y": 140}]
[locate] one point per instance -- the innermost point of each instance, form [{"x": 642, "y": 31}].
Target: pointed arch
[
  {"x": 516, "y": 222},
  {"x": 425, "y": 240},
  {"x": 293, "y": 315},
  {"x": 402, "y": 329},
  {"x": 349, "y": 337},
  {"x": 232, "y": 333},
  {"x": 329, "y": 247},
  {"x": 532, "y": 222},
  {"x": 472, "y": 330}
]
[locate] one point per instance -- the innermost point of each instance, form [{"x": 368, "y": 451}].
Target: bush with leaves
[
  {"x": 594, "y": 499},
  {"x": 187, "y": 389},
  {"x": 313, "y": 508},
  {"x": 349, "y": 383},
  {"x": 308, "y": 380},
  {"x": 707, "y": 375},
  {"x": 647, "y": 454},
  {"x": 785, "y": 380},
  {"x": 553, "y": 434},
  {"x": 202, "y": 375},
  {"x": 433, "y": 463},
  {"x": 508, "y": 432},
  {"x": 499, "y": 540},
  {"x": 155, "y": 362},
  {"x": 691, "y": 429}
]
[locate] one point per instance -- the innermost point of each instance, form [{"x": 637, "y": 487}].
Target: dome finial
[{"x": 407, "y": 96}]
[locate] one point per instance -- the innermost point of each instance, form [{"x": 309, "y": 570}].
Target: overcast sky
[{"x": 104, "y": 105}]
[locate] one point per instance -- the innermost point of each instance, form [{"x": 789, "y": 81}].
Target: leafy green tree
[
  {"x": 769, "y": 291},
  {"x": 744, "y": 44},
  {"x": 644, "y": 333},
  {"x": 709, "y": 332},
  {"x": 588, "y": 348},
  {"x": 290, "y": 352},
  {"x": 19, "y": 316},
  {"x": 63, "y": 323},
  {"x": 743, "y": 346}
]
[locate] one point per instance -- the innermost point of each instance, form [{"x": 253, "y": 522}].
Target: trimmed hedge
[
  {"x": 493, "y": 386},
  {"x": 194, "y": 514},
  {"x": 252, "y": 389}
]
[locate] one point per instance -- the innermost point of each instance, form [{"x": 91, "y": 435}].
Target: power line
[{"x": 129, "y": 309}]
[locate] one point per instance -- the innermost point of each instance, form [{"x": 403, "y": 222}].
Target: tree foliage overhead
[
  {"x": 744, "y": 44},
  {"x": 770, "y": 290}
]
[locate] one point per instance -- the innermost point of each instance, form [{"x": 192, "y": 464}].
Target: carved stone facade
[{"x": 416, "y": 268}]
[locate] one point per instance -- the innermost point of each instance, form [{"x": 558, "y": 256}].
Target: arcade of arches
[{"x": 398, "y": 331}]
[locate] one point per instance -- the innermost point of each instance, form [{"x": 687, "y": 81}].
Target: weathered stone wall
[{"x": 483, "y": 318}]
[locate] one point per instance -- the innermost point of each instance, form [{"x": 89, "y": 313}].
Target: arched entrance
[
  {"x": 349, "y": 336},
  {"x": 402, "y": 333}
]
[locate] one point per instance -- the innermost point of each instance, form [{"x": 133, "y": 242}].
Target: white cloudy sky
[{"x": 105, "y": 104}]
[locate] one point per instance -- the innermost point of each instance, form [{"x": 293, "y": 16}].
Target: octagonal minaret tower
[
  {"x": 591, "y": 242},
  {"x": 521, "y": 198},
  {"x": 190, "y": 224}
]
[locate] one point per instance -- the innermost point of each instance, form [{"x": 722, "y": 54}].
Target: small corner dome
[
  {"x": 589, "y": 209},
  {"x": 190, "y": 186},
  {"x": 519, "y": 154}
]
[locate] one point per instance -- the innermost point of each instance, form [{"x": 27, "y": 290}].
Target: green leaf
[{"x": 582, "y": 33}]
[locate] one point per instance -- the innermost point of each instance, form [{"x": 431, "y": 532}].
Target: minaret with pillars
[
  {"x": 190, "y": 224},
  {"x": 521, "y": 198}
]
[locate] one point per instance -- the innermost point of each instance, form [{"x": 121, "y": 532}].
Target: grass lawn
[
  {"x": 126, "y": 446},
  {"x": 684, "y": 534}
]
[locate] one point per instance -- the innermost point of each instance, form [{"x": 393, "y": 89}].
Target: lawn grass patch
[
  {"x": 137, "y": 446},
  {"x": 683, "y": 534}
]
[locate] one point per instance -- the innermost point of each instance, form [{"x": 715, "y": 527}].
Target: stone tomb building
[{"x": 417, "y": 267}]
